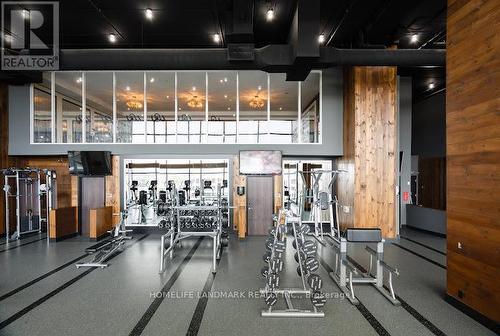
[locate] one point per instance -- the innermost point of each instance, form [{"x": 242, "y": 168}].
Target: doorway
[{"x": 260, "y": 194}]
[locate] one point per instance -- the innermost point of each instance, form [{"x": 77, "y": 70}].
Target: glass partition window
[
  {"x": 160, "y": 98},
  {"x": 197, "y": 107},
  {"x": 191, "y": 102},
  {"x": 221, "y": 107},
  {"x": 99, "y": 106},
  {"x": 42, "y": 111},
  {"x": 310, "y": 108},
  {"x": 284, "y": 110},
  {"x": 253, "y": 98},
  {"x": 68, "y": 107},
  {"x": 130, "y": 107}
]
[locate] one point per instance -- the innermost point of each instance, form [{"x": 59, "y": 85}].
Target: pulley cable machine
[{"x": 33, "y": 199}]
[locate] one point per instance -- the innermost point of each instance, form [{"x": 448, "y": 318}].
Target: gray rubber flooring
[{"x": 127, "y": 299}]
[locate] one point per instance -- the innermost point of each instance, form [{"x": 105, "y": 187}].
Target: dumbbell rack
[
  {"x": 287, "y": 293},
  {"x": 175, "y": 234}
]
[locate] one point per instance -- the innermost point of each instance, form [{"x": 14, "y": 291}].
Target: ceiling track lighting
[
  {"x": 431, "y": 86},
  {"x": 414, "y": 38},
  {"x": 216, "y": 38},
  {"x": 270, "y": 14},
  {"x": 148, "y": 13},
  {"x": 112, "y": 38}
]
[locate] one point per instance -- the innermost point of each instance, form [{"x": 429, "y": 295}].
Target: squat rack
[{"x": 29, "y": 191}]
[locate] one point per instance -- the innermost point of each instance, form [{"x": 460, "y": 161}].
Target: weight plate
[
  {"x": 318, "y": 299},
  {"x": 302, "y": 256},
  {"x": 315, "y": 282},
  {"x": 311, "y": 264}
]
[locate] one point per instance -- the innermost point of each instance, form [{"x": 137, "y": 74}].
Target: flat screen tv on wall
[
  {"x": 89, "y": 163},
  {"x": 257, "y": 162}
]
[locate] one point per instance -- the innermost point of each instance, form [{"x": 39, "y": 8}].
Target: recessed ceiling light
[
  {"x": 168, "y": 97},
  {"x": 281, "y": 108},
  {"x": 234, "y": 115},
  {"x": 225, "y": 96},
  {"x": 216, "y": 38},
  {"x": 228, "y": 108},
  {"x": 225, "y": 79},
  {"x": 414, "y": 38},
  {"x": 270, "y": 14},
  {"x": 79, "y": 80},
  {"x": 321, "y": 38},
  {"x": 127, "y": 88},
  {"x": 149, "y": 13},
  {"x": 152, "y": 80},
  {"x": 193, "y": 88},
  {"x": 259, "y": 87},
  {"x": 432, "y": 86},
  {"x": 112, "y": 38},
  {"x": 180, "y": 109},
  {"x": 221, "y": 80}
]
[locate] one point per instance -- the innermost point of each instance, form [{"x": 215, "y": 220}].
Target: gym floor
[{"x": 42, "y": 292}]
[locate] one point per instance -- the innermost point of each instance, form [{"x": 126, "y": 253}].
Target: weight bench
[
  {"x": 102, "y": 251},
  {"x": 346, "y": 274}
]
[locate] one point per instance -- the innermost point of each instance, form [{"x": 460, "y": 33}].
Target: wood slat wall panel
[
  {"x": 67, "y": 185},
  {"x": 369, "y": 149},
  {"x": 240, "y": 202},
  {"x": 113, "y": 197},
  {"x": 473, "y": 154}
]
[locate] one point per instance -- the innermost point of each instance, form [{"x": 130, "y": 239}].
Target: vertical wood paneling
[
  {"x": 473, "y": 154},
  {"x": 278, "y": 193},
  {"x": 368, "y": 188},
  {"x": 113, "y": 189},
  {"x": 66, "y": 183},
  {"x": 240, "y": 202}
]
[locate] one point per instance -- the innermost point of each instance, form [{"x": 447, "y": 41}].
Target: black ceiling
[
  {"x": 191, "y": 24},
  {"x": 354, "y": 23}
]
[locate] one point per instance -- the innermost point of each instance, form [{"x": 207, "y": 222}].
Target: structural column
[{"x": 367, "y": 192}]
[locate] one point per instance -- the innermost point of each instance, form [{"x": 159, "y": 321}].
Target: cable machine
[{"x": 33, "y": 192}]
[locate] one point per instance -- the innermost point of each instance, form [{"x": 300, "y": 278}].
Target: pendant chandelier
[
  {"x": 134, "y": 104},
  {"x": 256, "y": 102},
  {"x": 195, "y": 102}
]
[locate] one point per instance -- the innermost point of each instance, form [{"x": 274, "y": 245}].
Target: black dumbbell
[
  {"x": 311, "y": 265},
  {"x": 302, "y": 256},
  {"x": 264, "y": 271},
  {"x": 318, "y": 299},
  {"x": 279, "y": 246},
  {"x": 271, "y": 299},
  {"x": 315, "y": 282},
  {"x": 305, "y": 229},
  {"x": 296, "y": 242},
  {"x": 267, "y": 257},
  {"x": 273, "y": 280},
  {"x": 276, "y": 265}
]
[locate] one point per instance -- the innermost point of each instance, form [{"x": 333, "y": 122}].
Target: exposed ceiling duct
[{"x": 273, "y": 58}]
